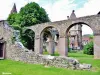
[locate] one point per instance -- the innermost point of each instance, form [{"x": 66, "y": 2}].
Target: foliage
[
  {"x": 14, "y": 21},
  {"x": 91, "y": 36},
  {"x": 27, "y": 38},
  {"x": 88, "y": 48},
  {"x": 33, "y": 14},
  {"x": 19, "y": 68},
  {"x": 29, "y": 15},
  {"x": 12, "y": 18}
]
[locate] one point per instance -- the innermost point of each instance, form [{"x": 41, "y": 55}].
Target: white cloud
[
  {"x": 92, "y": 7},
  {"x": 57, "y": 11},
  {"x": 60, "y": 9}
]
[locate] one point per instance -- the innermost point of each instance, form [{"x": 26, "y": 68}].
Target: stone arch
[
  {"x": 77, "y": 23},
  {"x": 63, "y": 45},
  {"x": 29, "y": 28},
  {"x": 92, "y": 21},
  {"x": 51, "y": 40},
  {"x": 45, "y": 27},
  {"x": 48, "y": 26}
]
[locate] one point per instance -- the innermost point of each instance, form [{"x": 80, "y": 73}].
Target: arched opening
[
  {"x": 78, "y": 36},
  {"x": 27, "y": 38},
  {"x": 49, "y": 41}
]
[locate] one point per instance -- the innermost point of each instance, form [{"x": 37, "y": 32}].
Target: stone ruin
[
  {"x": 28, "y": 56},
  {"x": 8, "y": 50},
  {"x": 14, "y": 52}
]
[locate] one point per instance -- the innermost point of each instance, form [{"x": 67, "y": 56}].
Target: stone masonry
[
  {"x": 63, "y": 27},
  {"x": 13, "y": 52}
]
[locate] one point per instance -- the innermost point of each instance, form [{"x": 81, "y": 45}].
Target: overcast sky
[{"x": 56, "y": 9}]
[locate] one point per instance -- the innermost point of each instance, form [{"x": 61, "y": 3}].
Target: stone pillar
[
  {"x": 80, "y": 36},
  {"x": 38, "y": 45},
  {"x": 76, "y": 42},
  {"x": 41, "y": 45},
  {"x": 80, "y": 40},
  {"x": 97, "y": 46},
  {"x": 51, "y": 45},
  {"x": 63, "y": 46}
]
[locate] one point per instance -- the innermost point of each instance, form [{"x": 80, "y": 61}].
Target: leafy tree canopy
[{"x": 28, "y": 15}]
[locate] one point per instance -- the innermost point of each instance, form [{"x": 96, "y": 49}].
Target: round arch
[
  {"x": 50, "y": 26},
  {"x": 78, "y": 23},
  {"x": 72, "y": 25},
  {"x": 28, "y": 28},
  {"x": 49, "y": 37}
]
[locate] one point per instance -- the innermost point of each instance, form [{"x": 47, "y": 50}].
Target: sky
[{"x": 56, "y": 9}]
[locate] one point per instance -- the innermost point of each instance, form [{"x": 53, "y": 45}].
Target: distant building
[
  {"x": 75, "y": 34},
  {"x": 86, "y": 39}
]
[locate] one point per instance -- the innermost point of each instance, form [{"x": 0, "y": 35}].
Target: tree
[
  {"x": 88, "y": 48},
  {"x": 29, "y": 15},
  {"x": 33, "y": 14},
  {"x": 27, "y": 38}
]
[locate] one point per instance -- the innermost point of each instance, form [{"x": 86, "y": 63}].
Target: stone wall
[
  {"x": 6, "y": 33},
  {"x": 28, "y": 56}
]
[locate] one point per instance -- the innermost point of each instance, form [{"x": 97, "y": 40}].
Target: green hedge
[{"x": 88, "y": 49}]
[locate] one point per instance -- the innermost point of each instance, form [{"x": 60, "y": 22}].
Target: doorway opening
[{"x": 2, "y": 49}]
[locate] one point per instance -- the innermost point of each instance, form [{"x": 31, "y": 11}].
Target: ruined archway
[
  {"x": 49, "y": 40},
  {"x": 74, "y": 36},
  {"x": 63, "y": 26}
]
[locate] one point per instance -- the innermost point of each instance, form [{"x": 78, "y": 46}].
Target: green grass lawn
[{"x": 19, "y": 68}]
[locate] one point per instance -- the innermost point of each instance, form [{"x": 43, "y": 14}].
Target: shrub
[{"x": 88, "y": 49}]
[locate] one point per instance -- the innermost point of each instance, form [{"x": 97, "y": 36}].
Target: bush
[{"x": 88, "y": 49}]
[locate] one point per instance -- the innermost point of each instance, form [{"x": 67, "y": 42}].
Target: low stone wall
[
  {"x": 47, "y": 60},
  {"x": 28, "y": 56}
]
